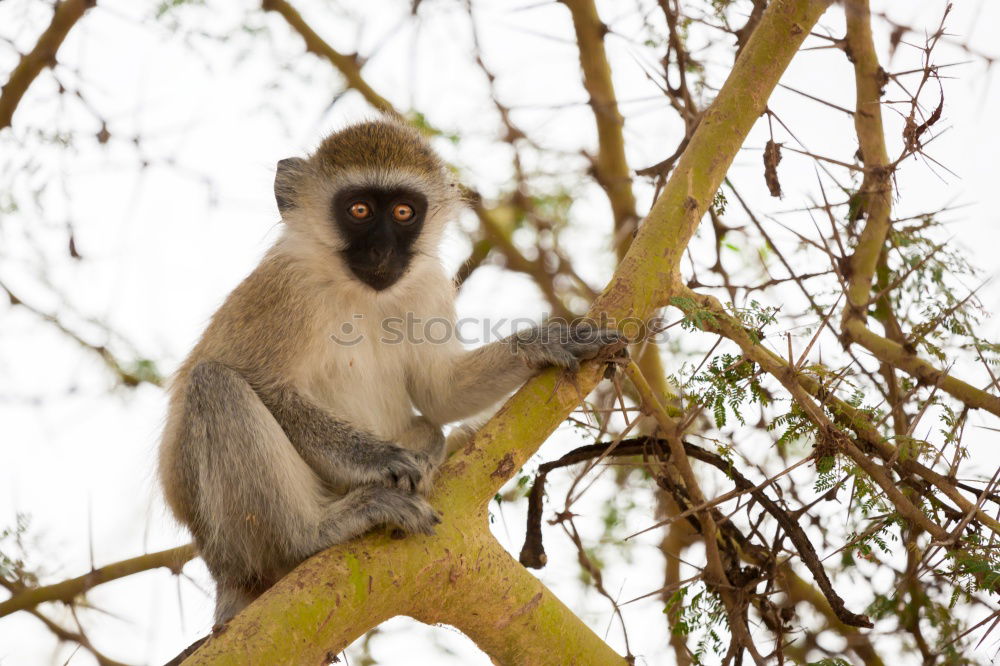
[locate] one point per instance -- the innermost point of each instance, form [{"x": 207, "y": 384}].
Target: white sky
[{"x": 159, "y": 258}]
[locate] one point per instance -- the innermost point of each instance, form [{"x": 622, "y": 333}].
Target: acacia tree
[{"x": 841, "y": 409}]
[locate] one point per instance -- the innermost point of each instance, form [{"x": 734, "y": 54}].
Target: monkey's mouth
[{"x": 379, "y": 271}]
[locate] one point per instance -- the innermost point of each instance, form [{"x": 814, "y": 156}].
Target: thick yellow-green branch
[
  {"x": 648, "y": 272},
  {"x": 510, "y": 614},
  {"x": 461, "y": 577}
]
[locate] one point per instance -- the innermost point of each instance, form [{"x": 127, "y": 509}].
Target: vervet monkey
[{"x": 293, "y": 425}]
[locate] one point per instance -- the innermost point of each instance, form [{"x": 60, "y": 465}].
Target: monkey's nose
[{"x": 383, "y": 261}]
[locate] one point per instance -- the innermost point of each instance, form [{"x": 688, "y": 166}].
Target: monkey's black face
[{"x": 380, "y": 227}]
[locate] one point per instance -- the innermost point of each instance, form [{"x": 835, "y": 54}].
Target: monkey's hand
[
  {"x": 565, "y": 345},
  {"x": 393, "y": 466},
  {"x": 391, "y": 506}
]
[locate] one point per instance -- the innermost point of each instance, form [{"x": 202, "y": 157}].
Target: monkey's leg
[
  {"x": 461, "y": 435},
  {"x": 230, "y": 599},
  {"x": 259, "y": 508},
  {"x": 424, "y": 437},
  {"x": 428, "y": 439},
  {"x": 365, "y": 507},
  {"x": 344, "y": 456},
  {"x": 344, "y": 519}
]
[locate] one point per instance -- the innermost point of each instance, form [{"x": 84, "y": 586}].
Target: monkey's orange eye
[
  {"x": 402, "y": 213},
  {"x": 360, "y": 210}
]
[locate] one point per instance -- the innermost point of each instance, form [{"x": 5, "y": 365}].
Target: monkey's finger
[{"x": 563, "y": 357}]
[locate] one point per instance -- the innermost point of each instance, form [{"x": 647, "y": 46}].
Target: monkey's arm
[
  {"x": 346, "y": 457},
  {"x": 464, "y": 383}
]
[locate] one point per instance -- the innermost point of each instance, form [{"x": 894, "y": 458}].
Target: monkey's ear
[{"x": 286, "y": 177}]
